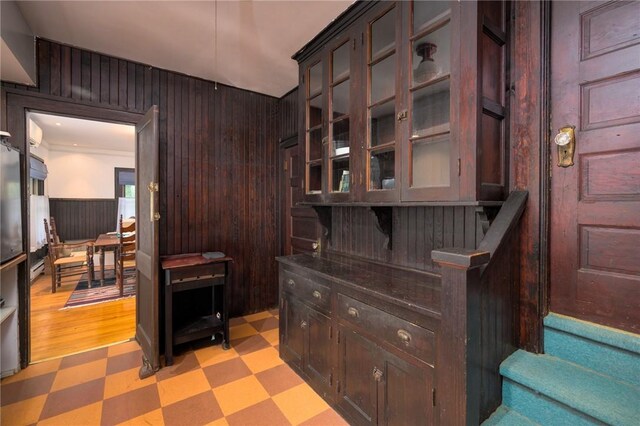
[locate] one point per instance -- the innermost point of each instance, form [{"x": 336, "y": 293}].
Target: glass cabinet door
[
  {"x": 429, "y": 148},
  {"x": 339, "y": 119},
  {"x": 382, "y": 64},
  {"x": 314, "y": 136}
]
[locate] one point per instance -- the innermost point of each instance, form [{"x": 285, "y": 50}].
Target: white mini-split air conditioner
[{"x": 35, "y": 134}]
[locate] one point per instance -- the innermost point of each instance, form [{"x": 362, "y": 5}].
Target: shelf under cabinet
[
  {"x": 6, "y": 311},
  {"x": 197, "y": 329}
]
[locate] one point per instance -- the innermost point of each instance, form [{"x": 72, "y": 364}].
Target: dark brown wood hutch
[{"x": 410, "y": 302}]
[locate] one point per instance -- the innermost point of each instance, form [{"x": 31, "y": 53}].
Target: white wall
[{"x": 82, "y": 173}]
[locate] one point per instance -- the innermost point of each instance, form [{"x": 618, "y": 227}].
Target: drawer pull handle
[
  {"x": 303, "y": 324},
  {"x": 353, "y": 312},
  {"x": 404, "y": 336},
  {"x": 377, "y": 374},
  {"x": 317, "y": 294},
  {"x": 291, "y": 282}
]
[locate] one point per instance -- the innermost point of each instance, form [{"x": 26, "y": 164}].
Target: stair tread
[
  {"x": 596, "y": 332},
  {"x": 587, "y": 391},
  {"x": 504, "y": 416}
]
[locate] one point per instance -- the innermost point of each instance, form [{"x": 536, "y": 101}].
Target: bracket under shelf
[{"x": 384, "y": 223}]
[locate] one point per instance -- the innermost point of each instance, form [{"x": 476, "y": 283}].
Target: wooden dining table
[{"x": 103, "y": 243}]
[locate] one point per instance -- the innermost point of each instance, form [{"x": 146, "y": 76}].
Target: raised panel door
[
  {"x": 358, "y": 389},
  {"x": 293, "y": 323},
  {"x": 318, "y": 354},
  {"x": 595, "y": 226},
  {"x": 405, "y": 395}
]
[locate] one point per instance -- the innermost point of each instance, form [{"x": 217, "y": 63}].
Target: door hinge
[
  {"x": 459, "y": 167},
  {"x": 354, "y": 44},
  {"x": 338, "y": 386},
  {"x": 338, "y": 336},
  {"x": 362, "y": 39},
  {"x": 286, "y": 166},
  {"x": 433, "y": 396},
  {"x": 330, "y": 332},
  {"x": 330, "y": 379}
]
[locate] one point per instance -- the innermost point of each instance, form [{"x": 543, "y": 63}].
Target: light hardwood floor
[{"x": 56, "y": 332}]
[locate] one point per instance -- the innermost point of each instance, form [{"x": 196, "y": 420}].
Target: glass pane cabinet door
[
  {"x": 430, "y": 95},
  {"x": 314, "y": 129},
  {"x": 339, "y": 106},
  {"x": 382, "y": 66}
]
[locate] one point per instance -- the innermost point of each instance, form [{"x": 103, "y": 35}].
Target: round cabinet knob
[
  {"x": 404, "y": 336},
  {"x": 291, "y": 282},
  {"x": 303, "y": 324},
  {"x": 317, "y": 294},
  {"x": 353, "y": 312}
]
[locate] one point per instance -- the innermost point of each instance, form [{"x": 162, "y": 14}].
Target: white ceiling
[
  {"x": 75, "y": 133},
  {"x": 255, "y": 39}
]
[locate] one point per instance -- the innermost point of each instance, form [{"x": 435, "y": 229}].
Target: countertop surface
[{"x": 412, "y": 289}]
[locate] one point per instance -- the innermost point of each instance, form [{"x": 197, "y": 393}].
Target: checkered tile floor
[{"x": 246, "y": 385}]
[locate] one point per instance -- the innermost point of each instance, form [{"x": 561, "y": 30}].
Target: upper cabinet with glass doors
[{"x": 407, "y": 101}]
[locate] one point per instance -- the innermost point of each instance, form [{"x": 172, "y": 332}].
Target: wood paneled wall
[
  {"x": 289, "y": 114},
  {"x": 80, "y": 219},
  {"x": 218, "y": 157},
  {"x": 415, "y": 232}
]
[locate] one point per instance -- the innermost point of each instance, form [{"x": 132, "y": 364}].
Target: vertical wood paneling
[
  {"x": 75, "y": 73},
  {"x": 218, "y": 159},
  {"x": 55, "y": 69},
  {"x": 288, "y": 114},
  {"x": 65, "y": 71},
  {"x": 80, "y": 219},
  {"x": 416, "y": 231},
  {"x": 95, "y": 77}
]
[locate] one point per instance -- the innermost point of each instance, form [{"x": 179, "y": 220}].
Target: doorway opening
[{"x": 82, "y": 182}]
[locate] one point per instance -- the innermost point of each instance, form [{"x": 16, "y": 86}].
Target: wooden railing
[{"x": 479, "y": 324}]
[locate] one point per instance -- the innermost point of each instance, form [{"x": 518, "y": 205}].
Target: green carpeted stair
[{"x": 589, "y": 375}]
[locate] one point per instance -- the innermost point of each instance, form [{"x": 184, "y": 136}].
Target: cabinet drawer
[
  {"x": 307, "y": 290},
  {"x": 408, "y": 337}
]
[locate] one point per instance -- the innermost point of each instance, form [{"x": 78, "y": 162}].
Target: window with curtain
[
  {"x": 125, "y": 182},
  {"x": 125, "y": 194}
]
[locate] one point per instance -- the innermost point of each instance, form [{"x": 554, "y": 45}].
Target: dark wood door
[
  {"x": 147, "y": 216},
  {"x": 318, "y": 362},
  {"x": 300, "y": 227},
  {"x": 293, "y": 320},
  {"x": 358, "y": 390},
  {"x": 595, "y": 204},
  {"x": 405, "y": 393}
]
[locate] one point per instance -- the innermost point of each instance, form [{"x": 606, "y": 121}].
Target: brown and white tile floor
[{"x": 246, "y": 385}]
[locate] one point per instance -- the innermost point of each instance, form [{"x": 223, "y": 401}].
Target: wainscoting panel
[{"x": 83, "y": 219}]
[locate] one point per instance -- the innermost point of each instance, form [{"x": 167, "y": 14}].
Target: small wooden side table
[{"x": 191, "y": 271}]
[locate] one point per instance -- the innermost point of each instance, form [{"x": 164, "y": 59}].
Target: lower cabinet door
[
  {"x": 293, "y": 325},
  {"x": 318, "y": 362},
  {"x": 359, "y": 364},
  {"x": 405, "y": 393},
  {"x": 378, "y": 387}
]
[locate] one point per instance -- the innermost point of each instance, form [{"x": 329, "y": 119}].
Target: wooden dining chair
[
  {"x": 125, "y": 255},
  {"x": 67, "y": 259}
]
